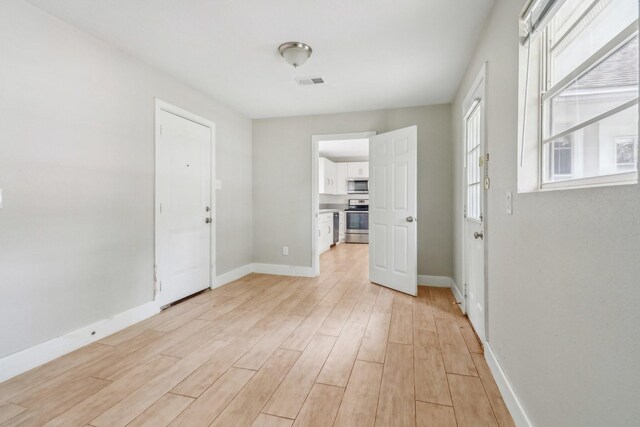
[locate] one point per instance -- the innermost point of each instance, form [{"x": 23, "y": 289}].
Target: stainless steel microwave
[{"x": 358, "y": 186}]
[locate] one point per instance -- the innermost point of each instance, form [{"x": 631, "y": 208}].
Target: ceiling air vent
[{"x": 306, "y": 81}]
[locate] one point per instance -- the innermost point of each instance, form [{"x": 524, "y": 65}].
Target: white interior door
[
  {"x": 474, "y": 217},
  {"x": 183, "y": 207},
  {"x": 393, "y": 209}
]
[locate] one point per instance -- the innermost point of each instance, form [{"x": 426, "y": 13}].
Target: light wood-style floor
[{"x": 275, "y": 351}]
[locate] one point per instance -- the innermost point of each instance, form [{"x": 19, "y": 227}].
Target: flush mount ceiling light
[{"x": 295, "y": 53}]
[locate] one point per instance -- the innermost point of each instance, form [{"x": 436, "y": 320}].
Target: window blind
[{"x": 535, "y": 15}]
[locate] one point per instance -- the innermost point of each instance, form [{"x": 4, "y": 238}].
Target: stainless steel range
[{"x": 357, "y": 221}]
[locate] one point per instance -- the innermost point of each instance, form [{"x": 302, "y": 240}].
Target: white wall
[
  {"x": 564, "y": 276},
  {"x": 282, "y": 181},
  {"x": 77, "y": 171}
]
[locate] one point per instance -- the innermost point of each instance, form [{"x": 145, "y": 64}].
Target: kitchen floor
[{"x": 275, "y": 351}]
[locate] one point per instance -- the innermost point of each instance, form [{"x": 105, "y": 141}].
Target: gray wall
[
  {"x": 564, "y": 284},
  {"x": 282, "y": 181},
  {"x": 77, "y": 170}
]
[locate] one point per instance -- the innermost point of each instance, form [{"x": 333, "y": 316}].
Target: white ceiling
[
  {"x": 373, "y": 54},
  {"x": 348, "y": 149}
]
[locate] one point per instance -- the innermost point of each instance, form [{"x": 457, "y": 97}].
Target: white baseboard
[
  {"x": 508, "y": 394},
  {"x": 435, "y": 281},
  {"x": 456, "y": 292},
  {"x": 32, "y": 357},
  {"x": 22, "y": 361},
  {"x": 283, "y": 270},
  {"x": 232, "y": 275},
  {"x": 277, "y": 269}
]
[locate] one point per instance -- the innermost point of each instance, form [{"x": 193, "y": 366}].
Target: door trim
[
  {"x": 477, "y": 90},
  {"x": 315, "y": 188},
  {"x": 160, "y": 106}
]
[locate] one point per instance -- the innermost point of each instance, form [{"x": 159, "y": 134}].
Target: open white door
[
  {"x": 393, "y": 203},
  {"x": 183, "y": 207},
  {"x": 474, "y": 217}
]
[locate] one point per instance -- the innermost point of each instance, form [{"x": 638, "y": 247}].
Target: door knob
[
  {"x": 208, "y": 220},
  {"x": 410, "y": 219},
  {"x": 479, "y": 235}
]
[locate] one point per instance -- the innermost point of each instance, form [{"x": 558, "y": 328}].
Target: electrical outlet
[
  {"x": 218, "y": 184},
  {"x": 509, "y": 203},
  {"x": 285, "y": 250}
]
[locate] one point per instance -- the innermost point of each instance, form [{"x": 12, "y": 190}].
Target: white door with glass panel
[
  {"x": 183, "y": 207},
  {"x": 393, "y": 209},
  {"x": 474, "y": 217}
]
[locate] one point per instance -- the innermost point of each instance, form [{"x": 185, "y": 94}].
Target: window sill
[{"x": 627, "y": 178}]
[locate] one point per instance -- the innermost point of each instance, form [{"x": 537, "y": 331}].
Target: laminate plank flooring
[
  {"x": 470, "y": 402},
  {"x": 360, "y": 401},
  {"x": 321, "y": 406},
  {"x": 275, "y": 351},
  {"x": 163, "y": 411},
  {"x": 396, "y": 404},
  {"x": 431, "y": 415},
  {"x": 9, "y": 410},
  {"x": 290, "y": 396}
]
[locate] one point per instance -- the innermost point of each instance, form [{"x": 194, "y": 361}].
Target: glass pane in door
[{"x": 474, "y": 172}]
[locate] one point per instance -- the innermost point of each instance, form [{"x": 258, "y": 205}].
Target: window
[
  {"x": 626, "y": 152},
  {"x": 579, "y": 112},
  {"x": 561, "y": 159}
]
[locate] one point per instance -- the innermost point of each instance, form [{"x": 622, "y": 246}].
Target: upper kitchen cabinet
[
  {"x": 333, "y": 177},
  {"x": 358, "y": 170},
  {"x": 341, "y": 178},
  {"x": 326, "y": 176}
]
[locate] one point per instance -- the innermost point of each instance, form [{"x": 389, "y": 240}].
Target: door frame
[
  {"x": 315, "y": 188},
  {"x": 476, "y": 91},
  {"x": 160, "y": 106}
]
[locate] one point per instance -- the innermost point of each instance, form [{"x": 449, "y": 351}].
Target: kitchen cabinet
[
  {"x": 333, "y": 177},
  {"x": 358, "y": 170},
  {"x": 326, "y": 176},
  {"x": 341, "y": 178},
  {"x": 330, "y": 170},
  {"x": 322, "y": 176},
  {"x": 325, "y": 231}
]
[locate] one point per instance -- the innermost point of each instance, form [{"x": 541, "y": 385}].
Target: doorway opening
[
  {"x": 185, "y": 206},
  {"x": 364, "y": 186},
  {"x": 339, "y": 192}
]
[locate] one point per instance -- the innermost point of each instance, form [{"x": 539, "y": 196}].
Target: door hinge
[
  {"x": 155, "y": 281},
  {"x": 465, "y": 290}
]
